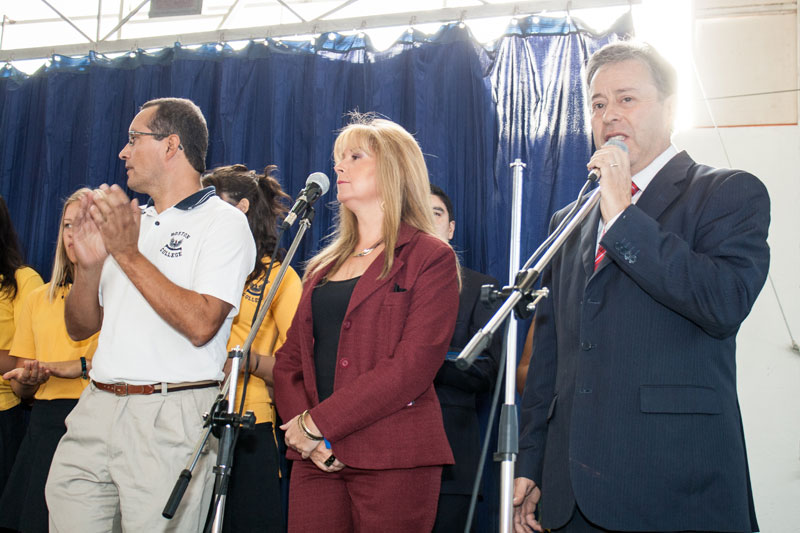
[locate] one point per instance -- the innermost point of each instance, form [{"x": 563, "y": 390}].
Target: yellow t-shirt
[
  {"x": 42, "y": 334},
  {"x": 271, "y": 334},
  {"x": 27, "y": 280}
]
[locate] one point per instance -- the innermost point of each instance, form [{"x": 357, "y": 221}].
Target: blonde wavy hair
[
  {"x": 63, "y": 269},
  {"x": 402, "y": 182}
]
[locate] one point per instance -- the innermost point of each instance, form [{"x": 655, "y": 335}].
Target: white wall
[
  {"x": 746, "y": 57},
  {"x": 768, "y": 370}
]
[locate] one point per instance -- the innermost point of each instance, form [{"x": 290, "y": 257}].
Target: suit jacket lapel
[
  {"x": 663, "y": 190},
  {"x": 370, "y": 281},
  {"x": 659, "y": 194},
  {"x": 589, "y": 240}
]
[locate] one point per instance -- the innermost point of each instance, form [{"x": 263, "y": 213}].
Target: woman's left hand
[
  {"x": 323, "y": 457},
  {"x": 296, "y": 439},
  {"x": 29, "y": 374}
]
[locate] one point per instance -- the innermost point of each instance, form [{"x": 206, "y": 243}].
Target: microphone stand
[
  {"x": 222, "y": 420},
  {"x": 522, "y": 299}
]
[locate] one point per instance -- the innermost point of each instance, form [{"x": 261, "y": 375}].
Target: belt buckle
[{"x": 120, "y": 389}]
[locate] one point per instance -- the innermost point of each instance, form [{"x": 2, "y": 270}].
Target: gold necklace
[{"x": 367, "y": 251}]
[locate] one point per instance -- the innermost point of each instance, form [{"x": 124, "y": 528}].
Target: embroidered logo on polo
[
  {"x": 253, "y": 291},
  {"x": 174, "y": 248}
]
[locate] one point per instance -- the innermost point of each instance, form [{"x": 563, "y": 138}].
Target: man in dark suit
[
  {"x": 458, "y": 390},
  {"x": 630, "y": 416}
]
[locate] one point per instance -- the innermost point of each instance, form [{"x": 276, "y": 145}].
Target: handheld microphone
[
  {"x": 317, "y": 184},
  {"x": 617, "y": 141}
]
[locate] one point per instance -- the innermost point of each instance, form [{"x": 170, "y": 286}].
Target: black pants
[
  {"x": 12, "y": 428},
  {"x": 23, "y": 507},
  {"x": 451, "y": 514},
  {"x": 254, "y": 501}
]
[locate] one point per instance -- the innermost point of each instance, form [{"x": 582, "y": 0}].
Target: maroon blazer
[{"x": 383, "y": 412}]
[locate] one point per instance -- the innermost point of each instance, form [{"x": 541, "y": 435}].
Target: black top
[{"x": 329, "y": 303}]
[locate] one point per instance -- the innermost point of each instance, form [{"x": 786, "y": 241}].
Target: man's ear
[
  {"x": 173, "y": 145},
  {"x": 452, "y": 230},
  {"x": 670, "y": 111}
]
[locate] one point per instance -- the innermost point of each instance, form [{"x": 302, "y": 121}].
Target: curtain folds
[{"x": 473, "y": 109}]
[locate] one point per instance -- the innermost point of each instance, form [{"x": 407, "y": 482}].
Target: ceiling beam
[
  {"x": 67, "y": 20},
  {"x": 122, "y": 22}
]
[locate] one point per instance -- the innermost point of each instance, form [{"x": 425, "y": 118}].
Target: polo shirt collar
[{"x": 191, "y": 201}]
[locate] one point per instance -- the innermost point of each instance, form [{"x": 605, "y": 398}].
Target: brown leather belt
[{"x": 125, "y": 389}]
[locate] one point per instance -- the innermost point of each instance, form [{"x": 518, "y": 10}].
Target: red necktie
[{"x": 601, "y": 252}]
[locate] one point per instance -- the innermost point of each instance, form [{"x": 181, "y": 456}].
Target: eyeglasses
[{"x": 132, "y": 134}]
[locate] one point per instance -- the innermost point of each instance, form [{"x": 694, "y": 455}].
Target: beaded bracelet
[{"x": 84, "y": 375}]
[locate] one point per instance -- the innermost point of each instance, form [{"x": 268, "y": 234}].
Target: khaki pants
[{"x": 116, "y": 466}]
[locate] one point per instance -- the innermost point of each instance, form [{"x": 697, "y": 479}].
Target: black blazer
[
  {"x": 630, "y": 407},
  {"x": 458, "y": 390}
]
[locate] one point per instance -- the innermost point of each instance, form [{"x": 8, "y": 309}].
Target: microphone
[
  {"x": 617, "y": 141},
  {"x": 317, "y": 184}
]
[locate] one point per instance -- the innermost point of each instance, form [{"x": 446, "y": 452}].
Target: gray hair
[{"x": 663, "y": 73}]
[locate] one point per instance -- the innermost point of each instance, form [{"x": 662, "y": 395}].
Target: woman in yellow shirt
[
  {"x": 254, "y": 501},
  {"x": 16, "y": 282},
  {"x": 48, "y": 368}
]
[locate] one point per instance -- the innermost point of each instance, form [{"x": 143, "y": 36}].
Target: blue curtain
[{"x": 473, "y": 109}]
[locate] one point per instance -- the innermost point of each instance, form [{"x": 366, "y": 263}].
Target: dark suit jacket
[
  {"x": 383, "y": 412},
  {"x": 458, "y": 390},
  {"x": 630, "y": 407}
]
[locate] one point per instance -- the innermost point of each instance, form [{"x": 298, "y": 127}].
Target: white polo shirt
[{"x": 201, "y": 244}]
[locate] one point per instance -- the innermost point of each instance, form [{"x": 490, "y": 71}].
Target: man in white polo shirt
[{"x": 164, "y": 282}]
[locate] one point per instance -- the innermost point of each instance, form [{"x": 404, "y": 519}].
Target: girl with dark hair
[
  {"x": 49, "y": 368},
  {"x": 254, "y": 501},
  {"x": 16, "y": 282}
]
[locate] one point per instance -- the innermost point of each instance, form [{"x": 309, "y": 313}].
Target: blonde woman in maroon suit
[{"x": 354, "y": 380}]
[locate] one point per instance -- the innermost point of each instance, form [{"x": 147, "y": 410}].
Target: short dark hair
[
  {"x": 183, "y": 118},
  {"x": 663, "y": 73},
  {"x": 437, "y": 191}
]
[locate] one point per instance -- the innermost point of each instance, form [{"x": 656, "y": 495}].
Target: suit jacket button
[
  {"x": 346, "y": 324},
  {"x": 344, "y": 362},
  {"x": 586, "y": 346}
]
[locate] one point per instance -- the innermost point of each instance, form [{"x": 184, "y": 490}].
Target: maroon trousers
[{"x": 354, "y": 500}]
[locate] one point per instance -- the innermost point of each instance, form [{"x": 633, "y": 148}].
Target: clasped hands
[
  {"x": 33, "y": 373},
  {"x": 107, "y": 223},
  {"x": 316, "y": 450}
]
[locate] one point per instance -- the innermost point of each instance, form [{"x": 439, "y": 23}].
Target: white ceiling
[{"x": 39, "y": 28}]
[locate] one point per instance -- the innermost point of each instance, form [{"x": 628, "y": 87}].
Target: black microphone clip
[{"x": 317, "y": 184}]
